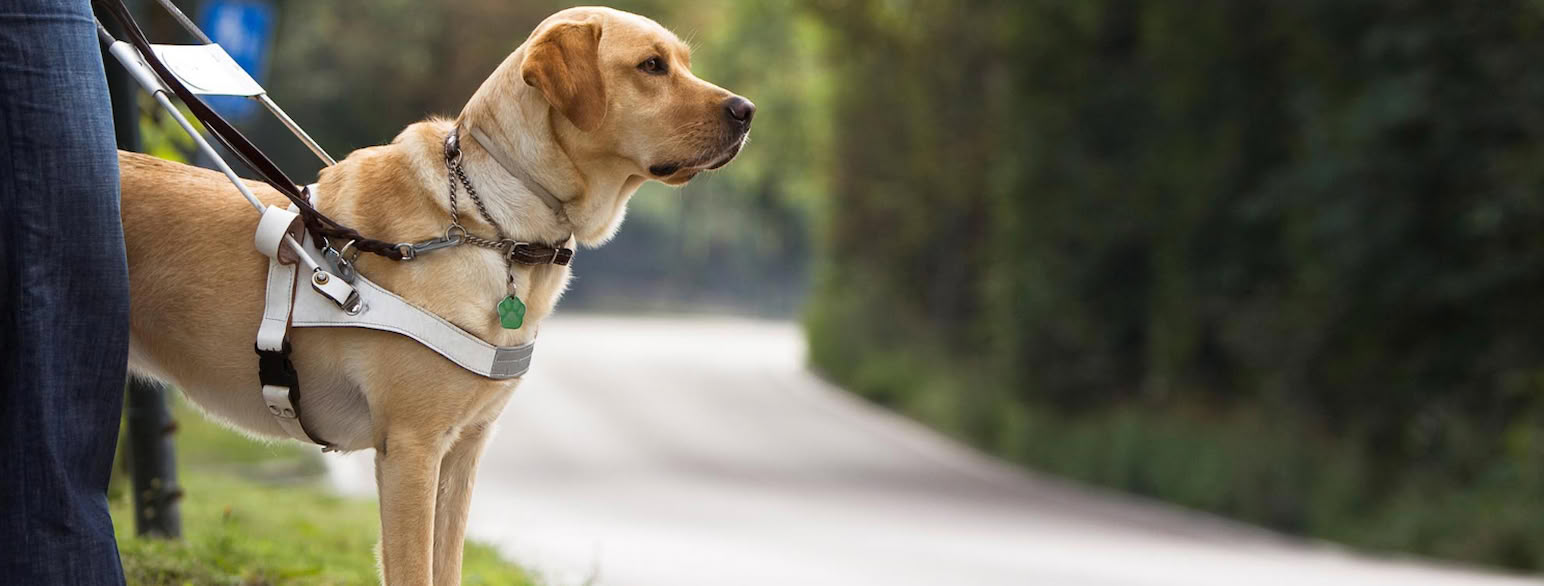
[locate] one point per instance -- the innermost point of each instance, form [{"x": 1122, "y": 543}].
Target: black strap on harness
[{"x": 275, "y": 369}]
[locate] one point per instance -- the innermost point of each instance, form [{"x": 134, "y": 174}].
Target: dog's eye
[{"x": 653, "y": 66}]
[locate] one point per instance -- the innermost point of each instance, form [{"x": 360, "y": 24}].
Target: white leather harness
[
  {"x": 337, "y": 296},
  {"x": 331, "y": 301}
]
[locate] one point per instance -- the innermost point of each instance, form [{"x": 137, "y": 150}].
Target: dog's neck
[
  {"x": 521, "y": 127},
  {"x": 496, "y": 152},
  {"x": 520, "y": 200}
]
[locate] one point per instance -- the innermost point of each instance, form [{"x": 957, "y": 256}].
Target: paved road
[{"x": 685, "y": 452}]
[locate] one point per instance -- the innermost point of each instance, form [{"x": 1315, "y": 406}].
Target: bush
[{"x": 1275, "y": 260}]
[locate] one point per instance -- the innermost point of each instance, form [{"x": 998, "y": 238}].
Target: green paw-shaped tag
[{"x": 511, "y": 312}]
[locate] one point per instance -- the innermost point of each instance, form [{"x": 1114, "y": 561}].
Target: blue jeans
[{"x": 64, "y": 298}]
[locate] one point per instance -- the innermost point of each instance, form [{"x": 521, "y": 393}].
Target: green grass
[{"x": 259, "y": 513}]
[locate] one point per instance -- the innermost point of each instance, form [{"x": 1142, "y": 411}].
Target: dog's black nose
[{"x": 740, "y": 110}]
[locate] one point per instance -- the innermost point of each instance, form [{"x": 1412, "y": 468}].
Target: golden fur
[{"x": 573, "y": 107}]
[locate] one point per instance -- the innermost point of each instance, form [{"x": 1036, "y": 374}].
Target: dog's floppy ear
[{"x": 563, "y": 61}]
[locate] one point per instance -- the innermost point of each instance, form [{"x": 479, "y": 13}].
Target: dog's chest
[
  {"x": 467, "y": 285},
  {"x": 335, "y": 409}
]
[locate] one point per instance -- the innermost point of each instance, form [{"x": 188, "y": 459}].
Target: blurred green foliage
[{"x": 1277, "y": 260}]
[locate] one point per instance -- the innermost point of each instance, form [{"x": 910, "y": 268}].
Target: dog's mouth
[
  {"x": 734, "y": 151},
  {"x": 668, "y": 171}
]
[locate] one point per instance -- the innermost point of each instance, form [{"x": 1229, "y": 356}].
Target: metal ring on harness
[
  {"x": 337, "y": 259},
  {"x": 406, "y": 248},
  {"x": 452, "y": 149},
  {"x": 346, "y": 263},
  {"x": 344, "y": 250}
]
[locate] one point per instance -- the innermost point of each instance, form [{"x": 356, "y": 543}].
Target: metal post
[
  {"x": 296, "y": 130},
  {"x": 151, "y": 454},
  {"x": 184, "y": 21},
  {"x": 153, "y": 459}
]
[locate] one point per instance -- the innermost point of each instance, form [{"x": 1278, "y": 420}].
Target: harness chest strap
[
  {"x": 377, "y": 308},
  {"x": 385, "y": 311}
]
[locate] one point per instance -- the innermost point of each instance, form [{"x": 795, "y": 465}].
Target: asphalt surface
[{"x": 699, "y": 451}]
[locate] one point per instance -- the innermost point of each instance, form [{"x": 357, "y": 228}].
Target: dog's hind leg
[{"x": 458, "y": 471}]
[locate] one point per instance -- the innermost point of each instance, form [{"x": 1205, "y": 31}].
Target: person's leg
[{"x": 63, "y": 298}]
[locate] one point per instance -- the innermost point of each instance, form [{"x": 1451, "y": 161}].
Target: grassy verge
[{"x": 258, "y": 513}]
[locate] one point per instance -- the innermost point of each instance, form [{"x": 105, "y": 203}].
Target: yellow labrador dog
[{"x": 594, "y": 103}]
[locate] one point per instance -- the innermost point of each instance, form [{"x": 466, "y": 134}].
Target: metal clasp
[
  {"x": 342, "y": 264},
  {"x": 454, "y": 236},
  {"x": 337, "y": 290}
]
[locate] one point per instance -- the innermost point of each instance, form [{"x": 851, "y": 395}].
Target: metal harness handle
[{"x": 316, "y": 222}]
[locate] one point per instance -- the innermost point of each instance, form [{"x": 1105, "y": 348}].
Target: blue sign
[{"x": 245, "y": 29}]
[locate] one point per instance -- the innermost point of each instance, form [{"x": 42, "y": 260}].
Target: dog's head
[
  {"x": 625, "y": 84},
  {"x": 598, "y": 101}
]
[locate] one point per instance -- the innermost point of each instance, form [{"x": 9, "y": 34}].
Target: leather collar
[{"x": 494, "y": 150}]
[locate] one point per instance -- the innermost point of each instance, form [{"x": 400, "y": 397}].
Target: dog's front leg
[
  {"x": 458, "y": 471},
  {"x": 407, "y": 468}
]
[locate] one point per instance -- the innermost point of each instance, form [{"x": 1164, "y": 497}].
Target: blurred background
[{"x": 1274, "y": 261}]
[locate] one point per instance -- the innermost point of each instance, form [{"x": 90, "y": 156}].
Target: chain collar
[{"x": 456, "y": 234}]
